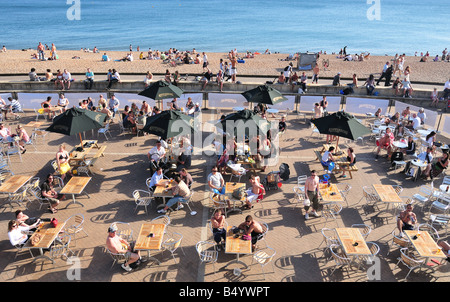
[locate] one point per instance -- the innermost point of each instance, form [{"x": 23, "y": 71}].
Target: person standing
[
  {"x": 40, "y": 50},
  {"x": 312, "y": 194},
  {"x": 205, "y": 61},
  {"x": 53, "y": 52},
  {"x": 233, "y": 69},
  {"x": 383, "y": 73},
  {"x": 316, "y": 71}
]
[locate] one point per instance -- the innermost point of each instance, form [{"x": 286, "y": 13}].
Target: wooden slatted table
[
  {"x": 425, "y": 245},
  {"x": 75, "y": 186},
  {"x": 348, "y": 237},
  {"x": 229, "y": 189},
  {"x": 387, "y": 194},
  {"x": 330, "y": 194},
  {"x": 14, "y": 183},
  {"x": 78, "y": 156},
  {"x": 237, "y": 246},
  {"x": 164, "y": 191},
  {"x": 48, "y": 234},
  {"x": 146, "y": 243}
]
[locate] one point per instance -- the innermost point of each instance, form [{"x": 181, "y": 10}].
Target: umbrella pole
[{"x": 81, "y": 141}]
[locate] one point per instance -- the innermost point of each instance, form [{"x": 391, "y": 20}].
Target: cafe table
[
  {"x": 164, "y": 190},
  {"x": 12, "y": 185},
  {"x": 80, "y": 151},
  {"x": 352, "y": 242},
  {"x": 47, "y": 234},
  {"x": 330, "y": 194},
  {"x": 229, "y": 189},
  {"x": 387, "y": 194},
  {"x": 420, "y": 165},
  {"x": 236, "y": 245},
  {"x": 150, "y": 238},
  {"x": 424, "y": 244},
  {"x": 75, "y": 186}
]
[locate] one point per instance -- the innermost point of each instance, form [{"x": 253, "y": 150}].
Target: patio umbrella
[
  {"x": 162, "y": 90},
  {"x": 168, "y": 123},
  {"x": 264, "y": 94},
  {"x": 341, "y": 124},
  {"x": 76, "y": 120},
  {"x": 244, "y": 118}
]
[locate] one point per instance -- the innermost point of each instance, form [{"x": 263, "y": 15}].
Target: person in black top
[
  {"x": 207, "y": 76},
  {"x": 411, "y": 149},
  {"x": 439, "y": 165},
  {"x": 282, "y": 124},
  {"x": 47, "y": 191}
]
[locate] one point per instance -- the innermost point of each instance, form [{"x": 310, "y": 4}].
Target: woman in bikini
[{"x": 62, "y": 159}]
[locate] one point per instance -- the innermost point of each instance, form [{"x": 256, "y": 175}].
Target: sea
[{"x": 287, "y": 26}]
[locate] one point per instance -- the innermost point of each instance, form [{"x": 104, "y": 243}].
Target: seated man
[
  {"x": 156, "y": 156},
  {"x": 47, "y": 191},
  {"x": 156, "y": 177},
  {"x": 406, "y": 220},
  {"x": 180, "y": 193},
  {"x": 184, "y": 160},
  {"x": 282, "y": 125},
  {"x": 253, "y": 229},
  {"x": 256, "y": 190},
  {"x": 216, "y": 181},
  {"x": 207, "y": 76},
  {"x": 117, "y": 245},
  {"x": 14, "y": 107},
  {"x": 415, "y": 123}
]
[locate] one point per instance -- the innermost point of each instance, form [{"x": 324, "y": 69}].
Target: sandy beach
[{"x": 20, "y": 62}]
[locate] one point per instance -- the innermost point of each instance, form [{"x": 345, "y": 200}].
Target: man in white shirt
[
  {"x": 114, "y": 105},
  {"x": 446, "y": 90},
  {"x": 156, "y": 177},
  {"x": 67, "y": 78},
  {"x": 415, "y": 123},
  {"x": 155, "y": 155},
  {"x": 216, "y": 181}
]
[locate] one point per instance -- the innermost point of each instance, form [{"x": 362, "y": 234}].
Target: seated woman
[
  {"x": 351, "y": 158},
  {"x": 23, "y": 138},
  {"x": 385, "y": 142},
  {"x": 437, "y": 167},
  {"x": 130, "y": 122},
  {"x": 411, "y": 149},
  {"x": 47, "y": 106},
  {"x": 18, "y": 234}
]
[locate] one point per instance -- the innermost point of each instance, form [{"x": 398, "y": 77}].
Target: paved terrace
[{"x": 299, "y": 253}]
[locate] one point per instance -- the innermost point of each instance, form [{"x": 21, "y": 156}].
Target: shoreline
[{"x": 19, "y": 62}]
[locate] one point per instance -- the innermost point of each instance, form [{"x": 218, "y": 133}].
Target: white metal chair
[
  {"x": 301, "y": 180},
  {"x": 364, "y": 229},
  {"x": 344, "y": 193},
  {"x": 172, "y": 243},
  {"x": 104, "y": 131},
  {"x": 374, "y": 251},
  {"x": 410, "y": 260},
  {"x": 207, "y": 252},
  {"x": 370, "y": 196},
  {"x": 32, "y": 141},
  {"x": 329, "y": 237},
  {"x": 299, "y": 195},
  {"x": 425, "y": 227},
  {"x": 442, "y": 204},
  {"x": 398, "y": 241},
  {"x": 39, "y": 114},
  {"x": 124, "y": 230},
  {"x": 60, "y": 247},
  {"x": 217, "y": 203},
  {"x": 74, "y": 225},
  {"x": 164, "y": 219},
  {"x": 12, "y": 150},
  {"x": 263, "y": 257},
  {"x": 142, "y": 199},
  {"x": 440, "y": 220},
  {"x": 339, "y": 257},
  {"x": 40, "y": 133},
  {"x": 117, "y": 257},
  {"x": 423, "y": 196},
  {"x": 188, "y": 201},
  {"x": 38, "y": 196},
  {"x": 331, "y": 212}
]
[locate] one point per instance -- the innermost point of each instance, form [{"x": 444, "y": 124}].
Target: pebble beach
[{"x": 77, "y": 61}]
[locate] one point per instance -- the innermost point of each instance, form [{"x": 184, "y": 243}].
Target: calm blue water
[{"x": 286, "y": 26}]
